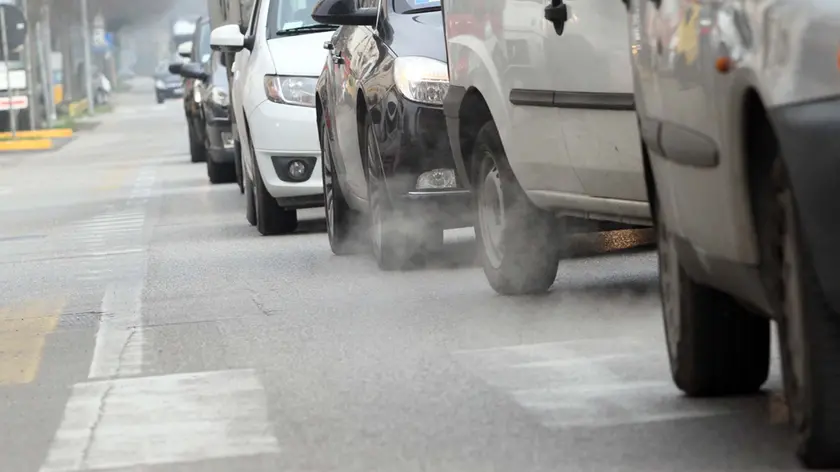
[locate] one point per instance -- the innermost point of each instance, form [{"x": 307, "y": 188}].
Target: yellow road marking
[
  {"x": 114, "y": 179},
  {"x": 23, "y": 331}
]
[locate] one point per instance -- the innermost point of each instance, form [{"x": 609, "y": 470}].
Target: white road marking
[
  {"x": 119, "y": 341},
  {"x": 589, "y": 383},
  {"x": 162, "y": 420}
]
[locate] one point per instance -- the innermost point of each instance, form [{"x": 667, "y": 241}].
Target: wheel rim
[
  {"x": 491, "y": 217},
  {"x": 669, "y": 273},
  {"x": 792, "y": 308}
]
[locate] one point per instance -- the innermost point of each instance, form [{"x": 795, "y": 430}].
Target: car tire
[
  {"x": 220, "y": 172},
  {"x": 160, "y": 98},
  {"x": 237, "y": 164},
  {"x": 271, "y": 218},
  {"x": 809, "y": 338},
  {"x": 198, "y": 153},
  {"x": 396, "y": 239},
  {"x": 716, "y": 346},
  {"x": 531, "y": 237},
  {"x": 344, "y": 227}
]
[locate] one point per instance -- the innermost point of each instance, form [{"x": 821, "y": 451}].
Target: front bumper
[
  {"x": 220, "y": 140},
  {"x": 808, "y": 134},
  {"x": 170, "y": 92},
  {"x": 413, "y": 140},
  {"x": 281, "y": 134}
]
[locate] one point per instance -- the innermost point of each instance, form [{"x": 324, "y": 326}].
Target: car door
[
  {"x": 688, "y": 120},
  {"x": 347, "y": 41}
]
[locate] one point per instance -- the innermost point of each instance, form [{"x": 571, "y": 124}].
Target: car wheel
[
  {"x": 198, "y": 153},
  {"x": 271, "y": 219},
  {"x": 343, "y": 224},
  {"x": 809, "y": 340},
  {"x": 520, "y": 245},
  {"x": 220, "y": 172},
  {"x": 159, "y": 98},
  {"x": 395, "y": 238},
  {"x": 237, "y": 164},
  {"x": 715, "y": 345}
]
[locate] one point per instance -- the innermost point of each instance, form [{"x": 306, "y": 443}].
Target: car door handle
[{"x": 557, "y": 13}]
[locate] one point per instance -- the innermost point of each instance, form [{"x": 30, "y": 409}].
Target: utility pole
[
  {"x": 88, "y": 60},
  {"x": 45, "y": 52},
  {"x": 28, "y": 56}
]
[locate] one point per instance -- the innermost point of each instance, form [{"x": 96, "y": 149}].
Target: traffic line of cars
[{"x": 532, "y": 121}]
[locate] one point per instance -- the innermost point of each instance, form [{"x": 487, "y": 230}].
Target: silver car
[{"x": 739, "y": 116}]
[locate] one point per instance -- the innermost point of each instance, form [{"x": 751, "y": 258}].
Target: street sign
[{"x": 15, "y": 26}]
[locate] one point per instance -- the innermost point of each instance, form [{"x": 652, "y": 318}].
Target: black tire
[
  {"x": 220, "y": 172},
  {"x": 160, "y": 98},
  {"x": 237, "y": 165},
  {"x": 716, "y": 346},
  {"x": 397, "y": 238},
  {"x": 345, "y": 230},
  {"x": 198, "y": 153},
  {"x": 271, "y": 219},
  {"x": 250, "y": 200},
  {"x": 532, "y": 238},
  {"x": 809, "y": 339}
]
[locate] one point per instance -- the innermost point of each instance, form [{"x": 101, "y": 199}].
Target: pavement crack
[
  {"x": 92, "y": 436},
  {"x": 122, "y": 351},
  {"x": 260, "y": 306}
]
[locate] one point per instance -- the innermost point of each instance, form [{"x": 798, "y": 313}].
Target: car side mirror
[
  {"x": 227, "y": 38},
  {"x": 185, "y": 49},
  {"x": 175, "y": 68},
  {"x": 193, "y": 71},
  {"x": 343, "y": 12}
]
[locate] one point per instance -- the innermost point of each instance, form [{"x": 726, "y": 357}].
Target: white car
[
  {"x": 277, "y": 63},
  {"x": 541, "y": 120}
]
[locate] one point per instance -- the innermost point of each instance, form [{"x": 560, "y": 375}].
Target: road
[{"x": 145, "y": 326}]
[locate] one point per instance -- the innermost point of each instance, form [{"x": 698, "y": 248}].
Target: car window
[
  {"x": 406, "y": 6},
  {"x": 289, "y": 14}
]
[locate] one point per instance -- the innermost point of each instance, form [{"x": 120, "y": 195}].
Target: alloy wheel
[{"x": 491, "y": 216}]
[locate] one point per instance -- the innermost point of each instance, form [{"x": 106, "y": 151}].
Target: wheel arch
[{"x": 473, "y": 113}]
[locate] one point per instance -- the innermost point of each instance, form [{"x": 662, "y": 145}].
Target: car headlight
[
  {"x": 159, "y": 84},
  {"x": 219, "y": 97},
  {"x": 421, "y": 79},
  {"x": 298, "y": 91}
]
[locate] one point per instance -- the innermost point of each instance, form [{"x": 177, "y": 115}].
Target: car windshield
[
  {"x": 290, "y": 15},
  {"x": 409, "y": 6}
]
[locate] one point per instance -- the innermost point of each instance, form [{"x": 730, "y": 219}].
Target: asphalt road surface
[{"x": 144, "y": 326}]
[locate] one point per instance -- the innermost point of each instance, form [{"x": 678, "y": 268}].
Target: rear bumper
[{"x": 808, "y": 134}]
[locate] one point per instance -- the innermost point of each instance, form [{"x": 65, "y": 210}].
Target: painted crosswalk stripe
[
  {"x": 162, "y": 420},
  {"x": 588, "y": 382}
]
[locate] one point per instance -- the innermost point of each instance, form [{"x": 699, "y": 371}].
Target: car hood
[
  {"x": 417, "y": 34},
  {"x": 302, "y": 55}
]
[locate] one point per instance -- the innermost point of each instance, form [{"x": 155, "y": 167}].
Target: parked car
[
  {"x": 212, "y": 120},
  {"x": 739, "y": 136},
  {"x": 277, "y": 62},
  {"x": 167, "y": 84},
  {"x": 196, "y": 51},
  {"x": 383, "y": 134},
  {"x": 541, "y": 122}
]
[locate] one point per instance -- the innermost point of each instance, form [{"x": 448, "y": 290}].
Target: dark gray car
[{"x": 167, "y": 84}]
